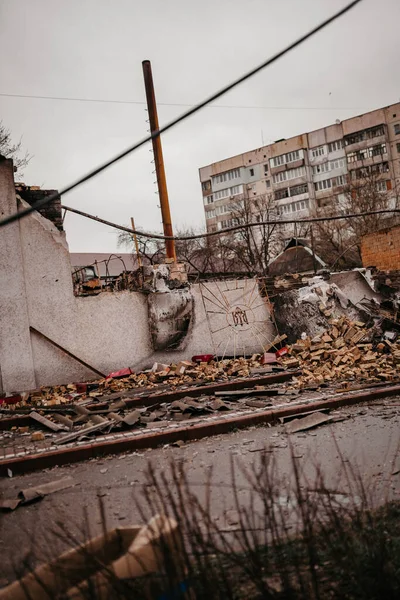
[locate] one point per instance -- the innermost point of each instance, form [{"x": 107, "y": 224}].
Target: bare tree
[
  {"x": 199, "y": 254},
  {"x": 254, "y": 247},
  {"x": 11, "y": 150},
  {"x": 249, "y": 249},
  {"x": 152, "y": 251},
  {"x": 339, "y": 242}
]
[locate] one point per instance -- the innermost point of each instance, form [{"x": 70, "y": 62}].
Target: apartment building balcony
[
  {"x": 287, "y": 166},
  {"x": 339, "y": 153},
  {"x": 289, "y": 199},
  {"x": 290, "y": 182},
  {"x": 367, "y": 162},
  {"x": 365, "y": 143},
  {"x": 329, "y": 174}
]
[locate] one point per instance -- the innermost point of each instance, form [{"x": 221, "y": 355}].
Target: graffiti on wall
[{"x": 238, "y": 317}]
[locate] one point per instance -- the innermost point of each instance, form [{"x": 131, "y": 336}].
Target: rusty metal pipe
[{"x": 158, "y": 159}]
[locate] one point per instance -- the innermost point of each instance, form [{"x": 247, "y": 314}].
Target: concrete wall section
[
  {"x": 221, "y": 309},
  {"x": 16, "y": 361},
  {"x": 109, "y": 331}
]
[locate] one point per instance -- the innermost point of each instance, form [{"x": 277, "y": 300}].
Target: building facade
[{"x": 307, "y": 173}]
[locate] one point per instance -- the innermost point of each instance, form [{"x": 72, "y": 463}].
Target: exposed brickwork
[
  {"x": 382, "y": 249},
  {"x": 50, "y": 211}
]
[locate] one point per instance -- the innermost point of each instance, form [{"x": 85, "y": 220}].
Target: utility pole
[
  {"x": 138, "y": 258},
  {"x": 158, "y": 160}
]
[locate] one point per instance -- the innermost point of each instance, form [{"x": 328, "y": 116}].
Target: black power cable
[
  {"x": 197, "y": 236},
  {"x": 185, "y": 115}
]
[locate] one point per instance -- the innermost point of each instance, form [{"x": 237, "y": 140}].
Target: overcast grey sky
[{"x": 94, "y": 49}]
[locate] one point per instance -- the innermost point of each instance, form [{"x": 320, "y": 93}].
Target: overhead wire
[
  {"x": 197, "y": 236},
  {"x": 56, "y": 195},
  {"x": 178, "y": 104}
]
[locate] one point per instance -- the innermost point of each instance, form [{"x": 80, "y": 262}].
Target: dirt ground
[{"x": 365, "y": 436}]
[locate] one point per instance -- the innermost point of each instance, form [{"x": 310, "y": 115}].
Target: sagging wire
[{"x": 52, "y": 197}]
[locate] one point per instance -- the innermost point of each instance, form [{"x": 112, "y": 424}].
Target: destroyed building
[{"x": 50, "y": 336}]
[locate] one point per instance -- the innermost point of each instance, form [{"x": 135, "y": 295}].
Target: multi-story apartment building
[{"x": 308, "y": 172}]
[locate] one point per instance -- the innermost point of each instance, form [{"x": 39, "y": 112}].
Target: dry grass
[{"x": 292, "y": 539}]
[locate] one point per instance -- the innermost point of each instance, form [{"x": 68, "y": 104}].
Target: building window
[
  {"x": 251, "y": 172},
  {"x": 210, "y": 214},
  {"x": 206, "y": 185},
  {"x": 398, "y": 148},
  {"x": 325, "y": 184},
  {"x": 341, "y": 180},
  {"x": 372, "y": 169},
  {"x": 293, "y": 207},
  {"x": 366, "y": 134},
  {"x": 290, "y": 174},
  {"x": 369, "y": 152},
  {"x": 352, "y": 157},
  {"x": 286, "y": 158},
  {"x": 337, "y": 164},
  {"x": 209, "y": 199},
  {"x": 296, "y": 190},
  {"x": 227, "y": 176},
  {"x": 280, "y": 194},
  {"x": 266, "y": 169},
  {"x": 397, "y": 129},
  {"x": 322, "y": 168},
  {"x": 334, "y": 146},
  {"x": 381, "y": 186},
  {"x": 320, "y": 151},
  {"x": 268, "y": 182},
  {"x": 225, "y": 193},
  {"x": 377, "y": 150},
  {"x": 222, "y": 210}
]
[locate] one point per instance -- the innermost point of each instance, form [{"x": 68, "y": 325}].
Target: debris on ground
[
  {"x": 118, "y": 555},
  {"x": 309, "y": 422},
  {"x": 348, "y": 351},
  {"x": 35, "y": 493}
]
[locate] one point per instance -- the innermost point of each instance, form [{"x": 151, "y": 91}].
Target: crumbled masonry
[{"x": 348, "y": 351}]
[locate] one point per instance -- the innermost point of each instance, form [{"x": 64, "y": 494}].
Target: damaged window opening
[
  {"x": 366, "y": 134},
  {"x": 370, "y": 152}
]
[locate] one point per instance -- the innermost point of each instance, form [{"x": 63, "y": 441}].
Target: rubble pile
[
  {"x": 346, "y": 351},
  {"x": 160, "y": 376}
]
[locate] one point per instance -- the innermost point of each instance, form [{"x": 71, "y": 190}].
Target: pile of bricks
[
  {"x": 184, "y": 373},
  {"x": 344, "y": 352}
]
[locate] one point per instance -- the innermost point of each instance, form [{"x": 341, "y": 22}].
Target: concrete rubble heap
[
  {"x": 346, "y": 351},
  {"x": 158, "y": 377}
]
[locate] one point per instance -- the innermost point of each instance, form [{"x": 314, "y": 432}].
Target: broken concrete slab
[
  {"x": 313, "y": 420},
  {"x": 46, "y": 422},
  {"x": 38, "y": 492}
]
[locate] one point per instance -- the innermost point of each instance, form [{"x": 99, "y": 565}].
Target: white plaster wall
[
  {"x": 109, "y": 331},
  {"x": 16, "y": 362},
  {"x": 222, "y": 297}
]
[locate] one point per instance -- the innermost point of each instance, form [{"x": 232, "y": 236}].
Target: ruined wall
[
  {"x": 16, "y": 361},
  {"x": 382, "y": 249},
  {"x": 109, "y": 331}
]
